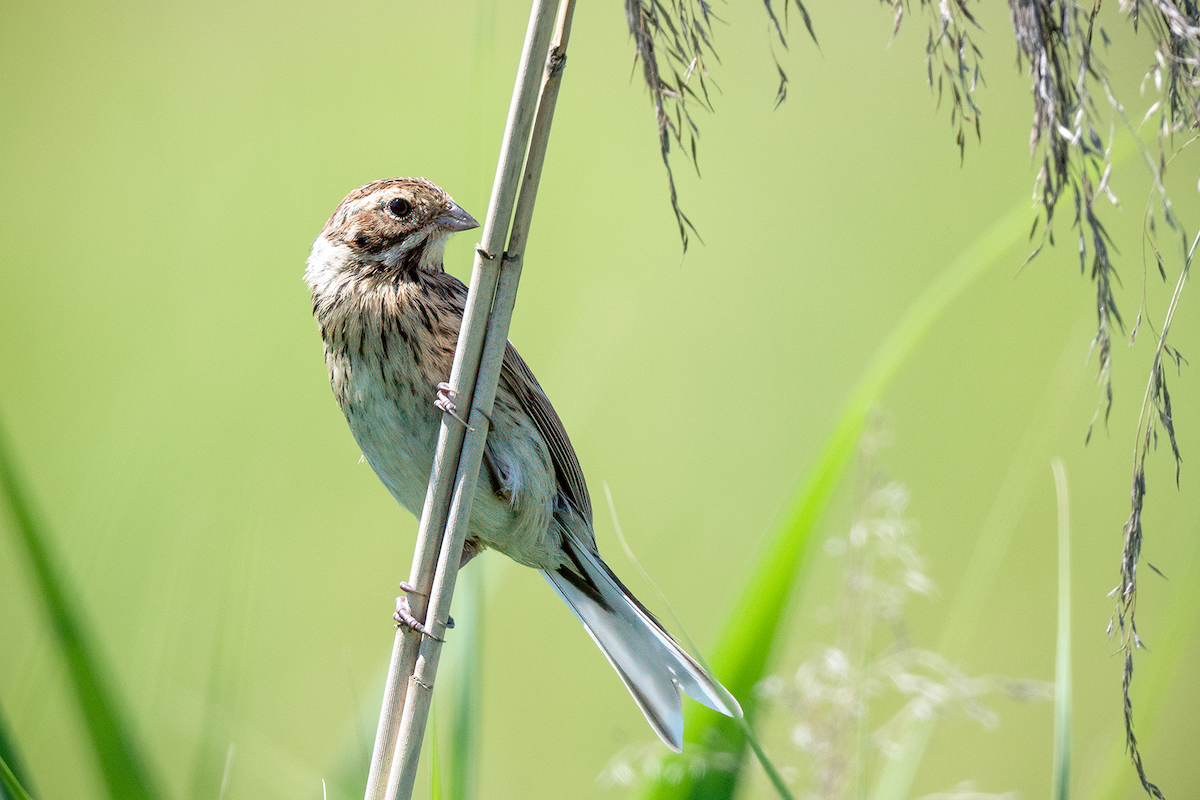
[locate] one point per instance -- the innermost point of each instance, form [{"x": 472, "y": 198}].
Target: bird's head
[{"x": 384, "y": 227}]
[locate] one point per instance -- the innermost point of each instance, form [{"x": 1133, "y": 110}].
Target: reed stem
[{"x": 473, "y": 380}]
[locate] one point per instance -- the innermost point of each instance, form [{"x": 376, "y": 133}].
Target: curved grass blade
[
  {"x": 983, "y": 567},
  {"x": 1061, "y": 776},
  {"x": 121, "y": 766},
  {"x": 10, "y": 787},
  {"x": 773, "y": 774},
  {"x": 12, "y": 762},
  {"x": 768, "y": 765},
  {"x": 741, "y": 654}
]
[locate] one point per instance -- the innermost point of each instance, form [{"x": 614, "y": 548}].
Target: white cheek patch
[{"x": 324, "y": 262}]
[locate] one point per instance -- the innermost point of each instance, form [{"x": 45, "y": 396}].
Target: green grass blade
[
  {"x": 742, "y": 651},
  {"x": 214, "y": 747},
  {"x": 464, "y": 684},
  {"x": 781, "y": 787},
  {"x": 9, "y": 785},
  {"x": 11, "y": 759},
  {"x": 435, "y": 759},
  {"x": 991, "y": 546},
  {"x": 1061, "y": 780},
  {"x": 896, "y": 780},
  {"x": 121, "y": 767}
]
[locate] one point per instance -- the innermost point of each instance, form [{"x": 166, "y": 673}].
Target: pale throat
[
  {"x": 331, "y": 264},
  {"x": 435, "y": 247},
  {"x": 431, "y": 242}
]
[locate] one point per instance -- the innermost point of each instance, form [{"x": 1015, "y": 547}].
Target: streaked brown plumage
[{"x": 389, "y": 316}]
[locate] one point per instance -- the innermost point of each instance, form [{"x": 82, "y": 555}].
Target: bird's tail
[{"x": 651, "y": 663}]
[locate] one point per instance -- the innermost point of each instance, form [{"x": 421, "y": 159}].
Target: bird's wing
[{"x": 519, "y": 380}]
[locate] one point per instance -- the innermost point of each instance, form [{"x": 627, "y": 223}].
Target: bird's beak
[{"x": 456, "y": 219}]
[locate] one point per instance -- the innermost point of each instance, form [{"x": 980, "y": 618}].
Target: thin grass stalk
[
  {"x": 991, "y": 546},
  {"x": 11, "y": 759},
  {"x": 556, "y": 62},
  {"x": 466, "y": 685},
  {"x": 514, "y": 255},
  {"x": 773, "y": 774},
  {"x": 1061, "y": 775},
  {"x": 121, "y": 766},
  {"x": 474, "y": 379},
  {"x": 757, "y": 622},
  {"x": 9, "y": 785},
  {"x": 435, "y": 763},
  {"x": 484, "y": 276},
  {"x": 1175, "y": 637}
]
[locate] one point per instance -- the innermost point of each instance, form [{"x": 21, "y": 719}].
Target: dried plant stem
[
  {"x": 473, "y": 379},
  {"x": 1156, "y": 411}
]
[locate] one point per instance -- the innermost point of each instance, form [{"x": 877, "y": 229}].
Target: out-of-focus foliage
[{"x": 165, "y": 171}]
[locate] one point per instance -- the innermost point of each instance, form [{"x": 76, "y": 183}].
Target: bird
[{"x": 389, "y": 317}]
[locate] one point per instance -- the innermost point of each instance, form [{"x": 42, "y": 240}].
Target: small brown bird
[{"x": 389, "y": 316}]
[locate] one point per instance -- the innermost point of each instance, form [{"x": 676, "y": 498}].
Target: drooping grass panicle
[
  {"x": 1155, "y": 413},
  {"x": 673, "y": 39},
  {"x": 1056, "y": 40},
  {"x": 952, "y": 60},
  {"x": 1175, "y": 26}
]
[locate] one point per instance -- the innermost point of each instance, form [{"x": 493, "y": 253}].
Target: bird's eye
[{"x": 399, "y": 206}]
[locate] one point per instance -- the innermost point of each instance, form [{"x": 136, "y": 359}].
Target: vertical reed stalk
[{"x": 473, "y": 379}]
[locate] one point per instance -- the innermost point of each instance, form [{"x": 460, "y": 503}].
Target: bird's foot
[
  {"x": 404, "y": 616},
  {"x": 445, "y": 402}
]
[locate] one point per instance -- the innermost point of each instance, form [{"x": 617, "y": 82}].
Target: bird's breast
[
  {"x": 384, "y": 362},
  {"x": 395, "y": 423}
]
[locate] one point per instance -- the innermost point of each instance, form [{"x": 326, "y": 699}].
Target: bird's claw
[
  {"x": 404, "y": 616},
  {"x": 445, "y": 402}
]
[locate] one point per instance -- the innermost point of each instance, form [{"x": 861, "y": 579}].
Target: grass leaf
[
  {"x": 12, "y": 762},
  {"x": 463, "y": 684},
  {"x": 121, "y": 766},
  {"x": 741, "y": 655},
  {"x": 435, "y": 760},
  {"x": 9, "y": 785},
  {"x": 1061, "y": 777}
]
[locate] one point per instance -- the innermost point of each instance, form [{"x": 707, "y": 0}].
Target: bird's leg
[
  {"x": 404, "y": 616},
  {"x": 445, "y": 402}
]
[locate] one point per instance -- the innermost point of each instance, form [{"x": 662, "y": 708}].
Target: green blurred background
[{"x": 164, "y": 169}]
